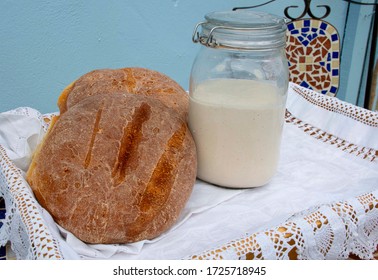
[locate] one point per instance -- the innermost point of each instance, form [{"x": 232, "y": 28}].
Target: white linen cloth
[{"x": 328, "y": 154}]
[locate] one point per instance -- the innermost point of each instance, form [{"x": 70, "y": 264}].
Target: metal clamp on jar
[{"x": 238, "y": 89}]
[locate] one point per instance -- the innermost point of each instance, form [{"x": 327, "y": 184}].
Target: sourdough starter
[{"x": 237, "y": 126}]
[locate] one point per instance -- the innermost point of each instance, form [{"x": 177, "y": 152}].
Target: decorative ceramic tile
[{"x": 313, "y": 52}]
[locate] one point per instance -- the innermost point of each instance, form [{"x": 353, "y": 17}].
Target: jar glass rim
[
  {"x": 242, "y": 30},
  {"x": 245, "y": 19}
]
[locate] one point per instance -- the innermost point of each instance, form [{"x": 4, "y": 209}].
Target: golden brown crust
[
  {"x": 126, "y": 80},
  {"x": 62, "y": 100},
  {"x": 115, "y": 168}
]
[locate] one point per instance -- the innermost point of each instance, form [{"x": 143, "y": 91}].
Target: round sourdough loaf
[
  {"x": 115, "y": 168},
  {"x": 126, "y": 80}
]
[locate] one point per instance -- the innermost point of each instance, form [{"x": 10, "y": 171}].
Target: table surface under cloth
[{"x": 321, "y": 204}]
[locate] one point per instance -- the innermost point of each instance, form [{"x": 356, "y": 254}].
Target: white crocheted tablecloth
[{"x": 321, "y": 204}]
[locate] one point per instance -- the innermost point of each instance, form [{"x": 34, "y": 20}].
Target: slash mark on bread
[
  {"x": 163, "y": 177},
  {"x": 161, "y": 182},
  {"x": 96, "y": 129},
  {"x": 132, "y": 136}
]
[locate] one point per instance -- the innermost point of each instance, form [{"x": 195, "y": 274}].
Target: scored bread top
[
  {"x": 126, "y": 80},
  {"x": 115, "y": 168}
]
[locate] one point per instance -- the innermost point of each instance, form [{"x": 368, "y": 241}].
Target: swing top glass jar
[{"x": 238, "y": 88}]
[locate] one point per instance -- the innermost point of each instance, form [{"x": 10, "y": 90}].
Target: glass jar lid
[{"x": 241, "y": 29}]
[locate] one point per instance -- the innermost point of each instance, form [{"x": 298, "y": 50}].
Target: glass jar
[{"x": 238, "y": 89}]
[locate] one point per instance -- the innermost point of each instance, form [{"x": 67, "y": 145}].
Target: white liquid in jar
[{"x": 237, "y": 126}]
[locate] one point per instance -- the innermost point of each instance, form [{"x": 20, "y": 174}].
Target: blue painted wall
[{"x": 45, "y": 45}]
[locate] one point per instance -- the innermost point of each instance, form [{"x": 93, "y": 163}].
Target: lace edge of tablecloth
[
  {"x": 335, "y": 105},
  {"x": 23, "y": 225},
  {"x": 329, "y": 231}
]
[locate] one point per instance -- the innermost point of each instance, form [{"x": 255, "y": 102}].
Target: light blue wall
[{"x": 45, "y": 45}]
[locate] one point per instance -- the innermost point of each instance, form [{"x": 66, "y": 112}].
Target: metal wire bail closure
[
  {"x": 196, "y": 36},
  {"x": 258, "y": 36},
  {"x": 207, "y": 41}
]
